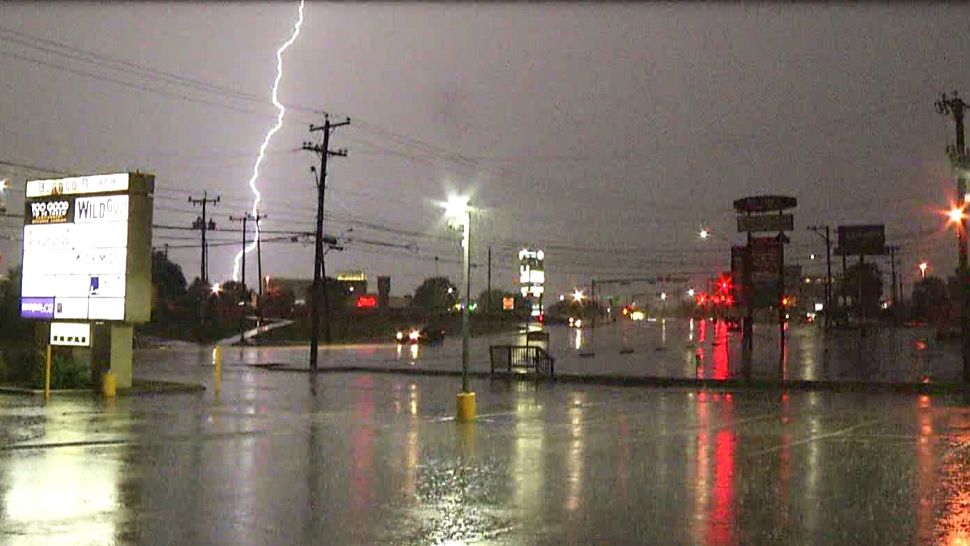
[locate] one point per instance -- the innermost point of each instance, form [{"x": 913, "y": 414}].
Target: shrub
[{"x": 25, "y": 366}]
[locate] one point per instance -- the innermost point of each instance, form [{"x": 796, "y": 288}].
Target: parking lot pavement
[{"x": 378, "y": 459}]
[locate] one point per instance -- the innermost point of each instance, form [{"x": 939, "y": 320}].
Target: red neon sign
[{"x": 366, "y": 302}]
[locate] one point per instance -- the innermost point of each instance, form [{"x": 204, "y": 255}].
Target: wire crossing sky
[{"x": 281, "y": 112}]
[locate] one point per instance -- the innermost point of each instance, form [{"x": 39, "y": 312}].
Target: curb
[
  {"x": 138, "y": 387},
  {"x": 658, "y": 382}
]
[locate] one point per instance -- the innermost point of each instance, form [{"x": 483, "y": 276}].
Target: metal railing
[{"x": 507, "y": 358}]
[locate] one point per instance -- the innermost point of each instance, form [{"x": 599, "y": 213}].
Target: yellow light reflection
[
  {"x": 414, "y": 352},
  {"x": 64, "y": 491},
  {"x": 575, "y": 457},
  {"x": 579, "y": 339}
]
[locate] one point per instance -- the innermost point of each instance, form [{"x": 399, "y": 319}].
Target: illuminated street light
[
  {"x": 704, "y": 233},
  {"x": 3, "y": 184},
  {"x": 922, "y": 269},
  {"x": 216, "y": 288},
  {"x": 663, "y": 295},
  {"x": 690, "y": 292},
  {"x": 956, "y": 214},
  {"x": 578, "y": 296},
  {"x": 457, "y": 212},
  {"x": 811, "y": 257}
]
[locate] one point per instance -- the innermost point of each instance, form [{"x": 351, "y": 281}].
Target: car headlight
[
  {"x": 399, "y": 336},
  {"x": 413, "y": 335}
]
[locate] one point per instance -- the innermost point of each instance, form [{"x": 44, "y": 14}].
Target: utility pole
[
  {"x": 245, "y": 218},
  {"x": 319, "y": 265},
  {"x": 488, "y": 285},
  {"x": 828, "y": 270},
  {"x": 892, "y": 266},
  {"x": 259, "y": 267},
  {"x": 203, "y": 225},
  {"x": 954, "y": 106}
]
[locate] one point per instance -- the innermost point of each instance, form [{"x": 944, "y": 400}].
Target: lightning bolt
[{"x": 280, "y": 112}]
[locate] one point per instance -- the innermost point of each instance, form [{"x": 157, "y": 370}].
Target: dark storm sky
[{"x": 605, "y": 134}]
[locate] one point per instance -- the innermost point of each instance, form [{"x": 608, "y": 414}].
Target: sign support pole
[
  {"x": 781, "y": 306},
  {"x": 747, "y": 335},
  {"x": 47, "y": 373}
]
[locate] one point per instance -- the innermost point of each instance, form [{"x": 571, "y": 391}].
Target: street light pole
[
  {"x": 459, "y": 217},
  {"x": 958, "y": 158},
  {"x": 466, "y": 275}
]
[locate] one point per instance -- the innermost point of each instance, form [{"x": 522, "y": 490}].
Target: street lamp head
[
  {"x": 956, "y": 214},
  {"x": 704, "y": 233},
  {"x": 457, "y": 211},
  {"x": 690, "y": 292},
  {"x": 216, "y": 288},
  {"x": 578, "y": 295},
  {"x": 3, "y": 184}
]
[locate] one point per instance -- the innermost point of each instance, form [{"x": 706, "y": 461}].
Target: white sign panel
[
  {"x": 79, "y": 185},
  {"x": 106, "y": 308},
  {"x": 86, "y": 262},
  {"x": 76, "y": 334},
  {"x": 70, "y": 308},
  {"x": 66, "y": 236}
]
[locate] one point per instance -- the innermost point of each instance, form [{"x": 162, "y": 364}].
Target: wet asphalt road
[
  {"x": 673, "y": 348},
  {"x": 378, "y": 459}
]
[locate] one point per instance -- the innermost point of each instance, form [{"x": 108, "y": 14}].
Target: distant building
[
  {"x": 383, "y": 291},
  {"x": 300, "y": 287},
  {"x": 353, "y": 283}
]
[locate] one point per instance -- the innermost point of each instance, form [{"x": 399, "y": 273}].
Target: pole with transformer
[
  {"x": 247, "y": 217},
  {"x": 955, "y": 107},
  {"x": 203, "y": 224},
  {"x": 242, "y": 302},
  {"x": 892, "y": 266},
  {"x": 259, "y": 271},
  {"x": 319, "y": 266}
]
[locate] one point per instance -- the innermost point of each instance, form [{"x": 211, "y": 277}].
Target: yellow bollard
[
  {"x": 109, "y": 385},
  {"x": 217, "y": 360},
  {"x": 466, "y": 407},
  {"x": 47, "y": 373}
]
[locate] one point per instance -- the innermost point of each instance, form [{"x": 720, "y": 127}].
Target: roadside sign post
[
  {"x": 764, "y": 264},
  {"x": 87, "y": 264},
  {"x": 860, "y": 240}
]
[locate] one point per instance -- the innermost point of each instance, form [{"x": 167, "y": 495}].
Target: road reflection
[{"x": 65, "y": 494}]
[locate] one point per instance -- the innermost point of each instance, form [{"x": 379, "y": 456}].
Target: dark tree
[
  {"x": 168, "y": 283},
  {"x": 436, "y": 294},
  {"x": 11, "y": 325}
]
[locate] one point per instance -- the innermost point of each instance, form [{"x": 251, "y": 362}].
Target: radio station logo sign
[
  {"x": 111, "y": 208},
  {"x": 49, "y": 211},
  {"x": 37, "y": 308}
]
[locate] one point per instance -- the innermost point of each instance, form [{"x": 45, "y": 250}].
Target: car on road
[{"x": 420, "y": 336}]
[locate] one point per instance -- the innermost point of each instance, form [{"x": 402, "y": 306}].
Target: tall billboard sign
[
  {"x": 87, "y": 248},
  {"x": 862, "y": 240},
  {"x": 532, "y": 277}
]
